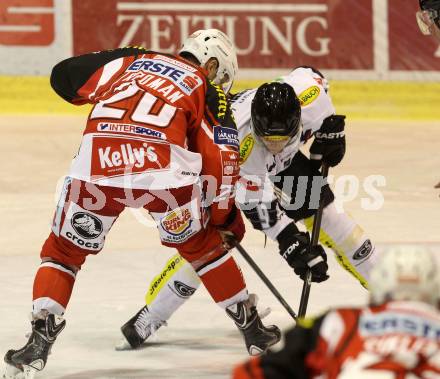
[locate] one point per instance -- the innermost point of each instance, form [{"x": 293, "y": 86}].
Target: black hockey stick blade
[{"x": 265, "y": 280}]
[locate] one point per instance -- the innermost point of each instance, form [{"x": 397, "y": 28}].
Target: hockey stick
[
  {"x": 266, "y": 281},
  {"x": 314, "y": 241}
]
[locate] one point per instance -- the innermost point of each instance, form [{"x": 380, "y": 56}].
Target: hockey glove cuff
[{"x": 329, "y": 143}]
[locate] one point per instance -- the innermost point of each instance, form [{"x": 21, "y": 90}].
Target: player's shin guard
[
  {"x": 223, "y": 279},
  {"x": 32, "y": 356},
  {"x": 353, "y": 249},
  {"x": 53, "y": 286},
  {"x": 167, "y": 292},
  {"x": 258, "y": 338}
]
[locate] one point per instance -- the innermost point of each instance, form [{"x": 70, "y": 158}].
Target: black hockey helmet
[
  {"x": 276, "y": 111},
  {"x": 429, "y": 4}
]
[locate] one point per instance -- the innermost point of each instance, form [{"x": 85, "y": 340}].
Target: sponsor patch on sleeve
[
  {"x": 230, "y": 162},
  {"x": 246, "y": 148},
  {"x": 225, "y": 136},
  {"x": 309, "y": 95}
]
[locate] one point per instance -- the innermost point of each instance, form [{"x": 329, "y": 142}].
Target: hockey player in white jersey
[{"x": 279, "y": 186}]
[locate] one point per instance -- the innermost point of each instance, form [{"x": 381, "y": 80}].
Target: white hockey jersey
[{"x": 257, "y": 164}]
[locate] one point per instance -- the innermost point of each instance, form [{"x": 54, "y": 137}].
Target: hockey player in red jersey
[
  {"x": 428, "y": 18},
  {"x": 396, "y": 336},
  {"x": 151, "y": 140}
]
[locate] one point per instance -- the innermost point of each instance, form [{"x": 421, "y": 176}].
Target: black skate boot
[
  {"x": 257, "y": 337},
  {"x": 136, "y": 330},
  {"x": 32, "y": 357}
]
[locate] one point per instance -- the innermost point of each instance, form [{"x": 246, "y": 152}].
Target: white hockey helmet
[
  {"x": 405, "y": 273},
  {"x": 213, "y": 43}
]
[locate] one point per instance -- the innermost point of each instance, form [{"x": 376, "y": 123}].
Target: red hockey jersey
[
  {"x": 398, "y": 340},
  {"x": 157, "y": 122}
]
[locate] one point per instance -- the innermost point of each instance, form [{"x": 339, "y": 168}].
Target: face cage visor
[{"x": 275, "y": 144}]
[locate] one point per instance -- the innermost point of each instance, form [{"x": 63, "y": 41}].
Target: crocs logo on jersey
[
  {"x": 86, "y": 225},
  {"x": 364, "y": 251},
  {"x": 309, "y": 95},
  {"x": 177, "y": 222},
  {"x": 246, "y": 148}
]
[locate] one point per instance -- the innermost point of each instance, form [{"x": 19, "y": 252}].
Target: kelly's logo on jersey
[
  {"x": 125, "y": 156},
  {"x": 309, "y": 95},
  {"x": 182, "y": 77},
  {"x": 226, "y": 136}
]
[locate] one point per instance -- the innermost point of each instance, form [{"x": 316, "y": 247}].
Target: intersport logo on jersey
[
  {"x": 275, "y": 33},
  {"x": 124, "y": 156}
]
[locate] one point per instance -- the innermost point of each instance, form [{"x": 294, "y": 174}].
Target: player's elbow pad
[{"x": 262, "y": 216}]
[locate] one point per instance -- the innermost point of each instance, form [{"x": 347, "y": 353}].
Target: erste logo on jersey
[
  {"x": 225, "y": 136},
  {"x": 390, "y": 322},
  {"x": 129, "y": 128},
  {"x": 120, "y": 156},
  {"x": 309, "y": 95},
  {"x": 180, "y": 74},
  {"x": 246, "y": 147}
]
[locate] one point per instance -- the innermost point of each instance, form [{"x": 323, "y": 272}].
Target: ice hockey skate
[
  {"x": 258, "y": 338},
  {"x": 32, "y": 357},
  {"x": 138, "y": 329}
]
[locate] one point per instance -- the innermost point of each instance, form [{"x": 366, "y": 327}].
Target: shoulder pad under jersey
[{"x": 316, "y": 104}]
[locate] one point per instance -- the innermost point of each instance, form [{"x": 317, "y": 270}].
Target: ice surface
[{"x": 200, "y": 341}]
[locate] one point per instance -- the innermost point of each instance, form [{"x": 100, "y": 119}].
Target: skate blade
[
  {"x": 123, "y": 345},
  {"x": 29, "y": 372},
  {"x": 11, "y": 372},
  {"x": 265, "y": 312}
]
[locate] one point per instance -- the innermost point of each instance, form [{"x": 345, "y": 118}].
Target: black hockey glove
[
  {"x": 329, "y": 143},
  {"x": 295, "y": 249}
]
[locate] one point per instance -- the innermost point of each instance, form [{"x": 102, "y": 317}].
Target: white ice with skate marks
[{"x": 200, "y": 341}]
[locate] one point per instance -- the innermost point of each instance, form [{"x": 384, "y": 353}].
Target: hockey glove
[
  {"x": 233, "y": 230},
  {"x": 329, "y": 143},
  {"x": 295, "y": 249}
]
